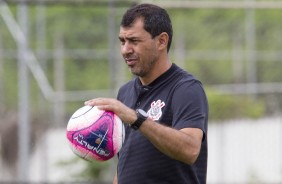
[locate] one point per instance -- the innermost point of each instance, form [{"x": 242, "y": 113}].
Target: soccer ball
[{"x": 95, "y": 135}]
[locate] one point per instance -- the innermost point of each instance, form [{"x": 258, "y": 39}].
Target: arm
[
  {"x": 183, "y": 145},
  {"x": 115, "y": 179}
]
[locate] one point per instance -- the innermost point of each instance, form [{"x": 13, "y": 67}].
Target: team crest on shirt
[{"x": 155, "y": 112}]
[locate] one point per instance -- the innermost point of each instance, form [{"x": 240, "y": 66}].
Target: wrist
[{"x": 141, "y": 117}]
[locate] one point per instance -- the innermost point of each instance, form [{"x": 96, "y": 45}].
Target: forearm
[
  {"x": 115, "y": 181},
  {"x": 174, "y": 143}
]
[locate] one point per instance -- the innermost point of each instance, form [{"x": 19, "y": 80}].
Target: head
[
  {"x": 156, "y": 20},
  {"x": 145, "y": 36}
]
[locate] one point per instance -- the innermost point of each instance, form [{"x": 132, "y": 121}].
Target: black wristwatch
[{"x": 141, "y": 117}]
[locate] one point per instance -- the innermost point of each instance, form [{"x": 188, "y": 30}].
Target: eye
[
  {"x": 134, "y": 41},
  {"x": 122, "y": 41}
]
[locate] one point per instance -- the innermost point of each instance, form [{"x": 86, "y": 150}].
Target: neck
[{"x": 157, "y": 71}]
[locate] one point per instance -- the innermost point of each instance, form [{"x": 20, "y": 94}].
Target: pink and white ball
[{"x": 95, "y": 135}]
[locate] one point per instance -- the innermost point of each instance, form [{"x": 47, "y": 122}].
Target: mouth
[{"x": 131, "y": 61}]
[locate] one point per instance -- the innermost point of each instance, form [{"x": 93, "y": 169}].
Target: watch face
[
  {"x": 141, "y": 117},
  {"x": 143, "y": 113}
]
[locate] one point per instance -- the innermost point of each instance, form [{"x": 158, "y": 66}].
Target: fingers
[
  {"x": 97, "y": 102},
  {"x": 109, "y": 104},
  {"x": 103, "y": 103}
]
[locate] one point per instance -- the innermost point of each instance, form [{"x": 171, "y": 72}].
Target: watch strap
[{"x": 140, "y": 119}]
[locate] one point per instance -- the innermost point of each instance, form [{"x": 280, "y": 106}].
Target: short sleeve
[{"x": 189, "y": 106}]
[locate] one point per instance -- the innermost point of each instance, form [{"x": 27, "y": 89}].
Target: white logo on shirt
[{"x": 155, "y": 112}]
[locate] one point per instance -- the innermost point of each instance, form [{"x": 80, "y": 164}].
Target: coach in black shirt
[{"x": 164, "y": 108}]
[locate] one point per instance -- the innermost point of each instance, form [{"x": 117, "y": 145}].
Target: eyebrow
[
  {"x": 120, "y": 38},
  {"x": 129, "y": 38}
]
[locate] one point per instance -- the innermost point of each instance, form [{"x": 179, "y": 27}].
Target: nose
[{"x": 126, "y": 49}]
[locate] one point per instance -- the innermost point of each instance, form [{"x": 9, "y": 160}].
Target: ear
[{"x": 162, "y": 41}]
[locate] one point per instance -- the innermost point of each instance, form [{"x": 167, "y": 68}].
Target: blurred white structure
[{"x": 245, "y": 151}]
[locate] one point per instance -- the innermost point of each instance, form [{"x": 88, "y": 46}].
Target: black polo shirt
[{"x": 175, "y": 99}]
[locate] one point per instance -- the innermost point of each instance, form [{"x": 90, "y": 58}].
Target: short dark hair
[{"x": 156, "y": 20}]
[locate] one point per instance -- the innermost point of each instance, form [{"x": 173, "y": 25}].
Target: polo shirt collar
[{"x": 160, "y": 79}]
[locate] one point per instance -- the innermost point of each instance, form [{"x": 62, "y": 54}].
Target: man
[{"x": 164, "y": 108}]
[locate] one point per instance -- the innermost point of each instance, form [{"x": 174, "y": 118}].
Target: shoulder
[
  {"x": 184, "y": 80},
  {"x": 188, "y": 89}
]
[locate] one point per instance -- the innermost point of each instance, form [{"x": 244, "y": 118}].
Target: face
[{"x": 138, "y": 49}]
